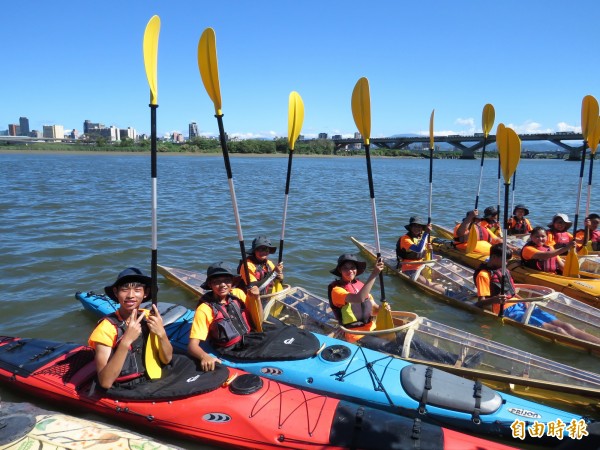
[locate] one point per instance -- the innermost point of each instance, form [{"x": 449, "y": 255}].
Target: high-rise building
[
  {"x": 54, "y": 131},
  {"x": 322, "y": 135},
  {"x": 193, "y": 130},
  {"x": 13, "y": 129},
  {"x": 24, "y": 124}
]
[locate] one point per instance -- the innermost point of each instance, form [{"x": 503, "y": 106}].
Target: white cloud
[
  {"x": 562, "y": 126},
  {"x": 529, "y": 127},
  {"x": 470, "y": 122}
]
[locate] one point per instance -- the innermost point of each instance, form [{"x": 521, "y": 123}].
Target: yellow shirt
[
  {"x": 204, "y": 317},
  {"x": 105, "y": 332}
]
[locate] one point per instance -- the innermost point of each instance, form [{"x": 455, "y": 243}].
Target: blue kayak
[{"x": 379, "y": 380}]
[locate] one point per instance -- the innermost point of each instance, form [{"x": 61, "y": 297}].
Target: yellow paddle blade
[
  {"x": 384, "y": 318},
  {"x": 589, "y": 115},
  {"x": 487, "y": 119},
  {"x": 277, "y": 286},
  {"x": 151, "y": 56},
  {"x": 509, "y": 150},
  {"x": 594, "y": 137},
  {"x": 585, "y": 250},
  {"x": 256, "y": 312},
  {"x": 152, "y": 357},
  {"x": 571, "y": 268},
  {"x": 295, "y": 119},
  {"x": 361, "y": 109},
  {"x": 431, "y": 141},
  {"x": 209, "y": 67},
  {"x": 473, "y": 238}
]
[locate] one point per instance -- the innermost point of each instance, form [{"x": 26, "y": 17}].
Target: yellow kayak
[{"x": 585, "y": 289}]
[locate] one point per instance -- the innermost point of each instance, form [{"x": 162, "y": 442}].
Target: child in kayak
[
  {"x": 260, "y": 268},
  {"x": 120, "y": 338},
  {"x": 488, "y": 278},
  {"x": 221, "y": 315},
  {"x": 537, "y": 254},
  {"x": 590, "y": 232},
  {"x": 518, "y": 223},
  {"x": 490, "y": 222},
  {"x": 351, "y": 299},
  {"x": 412, "y": 246},
  {"x": 557, "y": 233},
  {"x": 484, "y": 238}
]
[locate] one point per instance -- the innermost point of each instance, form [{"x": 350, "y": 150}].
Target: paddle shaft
[
  {"x": 503, "y": 279},
  {"x": 480, "y": 172},
  {"x": 232, "y": 192},
  {"x": 285, "y": 204},
  {"x": 499, "y": 185},
  {"x": 153, "y": 174},
  {"x": 512, "y": 205},
  {"x": 374, "y": 213},
  {"x": 581, "y": 170},
  {"x": 589, "y": 190}
]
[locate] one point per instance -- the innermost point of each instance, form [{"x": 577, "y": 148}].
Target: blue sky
[{"x": 67, "y": 61}]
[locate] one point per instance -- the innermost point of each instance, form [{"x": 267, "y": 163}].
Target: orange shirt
[
  {"x": 338, "y": 297},
  {"x": 483, "y": 290}
]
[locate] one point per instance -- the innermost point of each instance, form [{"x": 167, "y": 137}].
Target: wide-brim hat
[
  {"x": 415, "y": 220},
  {"x": 261, "y": 241},
  {"x": 490, "y": 211},
  {"x": 218, "y": 269},
  {"x": 360, "y": 265},
  {"x": 127, "y": 276},
  {"x": 523, "y": 207},
  {"x": 565, "y": 219}
]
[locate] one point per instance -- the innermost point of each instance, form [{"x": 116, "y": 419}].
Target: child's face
[
  {"x": 539, "y": 238},
  {"x": 520, "y": 213},
  {"x": 221, "y": 285},
  {"x": 261, "y": 253},
  {"x": 130, "y": 295},
  {"x": 559, "y": 224},
  {"x": 348, "y": 271}
]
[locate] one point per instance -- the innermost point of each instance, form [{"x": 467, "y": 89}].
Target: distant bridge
[{"x": 468, "y": 151}]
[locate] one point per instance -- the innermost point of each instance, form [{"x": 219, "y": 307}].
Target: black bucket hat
[
  {"x": 523, "y": 207},
  {"x": 490, "y": 211},
  {"x": 360, "y": 265},
  {"x": 218, "y": 269},
  {"x": 415, "y": 220},
  {"x": 127, "y": 276},
  {"x": 261, "y": 241}
]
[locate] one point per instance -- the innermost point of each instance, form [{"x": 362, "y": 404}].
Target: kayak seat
[
  {"x": 181, "y": 378},
  {"x": 278, "y": 342},
  {"x": 448, "y": 391}
]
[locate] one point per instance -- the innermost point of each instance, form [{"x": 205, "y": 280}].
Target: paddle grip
[
  {"x": 369, "y": 172},
  {"x": 154, "y": 275}
]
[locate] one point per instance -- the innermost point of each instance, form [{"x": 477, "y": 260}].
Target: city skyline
[{"x": 530, "y": 60}]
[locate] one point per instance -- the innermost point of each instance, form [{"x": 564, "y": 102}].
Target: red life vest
[
  {"x": 516, "y": 226},
  {"x": 496, "y": 281},
  {"x": 482, "y": 235},
  {"x": 229, "y": 320},
  {"x": 548, "y": 265},
  {"x": 262, "y": 271},
  {"x": 133, "y": 366},
  {"x": 561, "y": 239},
  {"x": 361, "y": 311}
]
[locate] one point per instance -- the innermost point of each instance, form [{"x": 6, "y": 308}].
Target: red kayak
[{"x": 226, "y": 407}]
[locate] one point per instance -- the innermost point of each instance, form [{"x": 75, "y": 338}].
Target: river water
[{"x": 71, "y": 222}]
